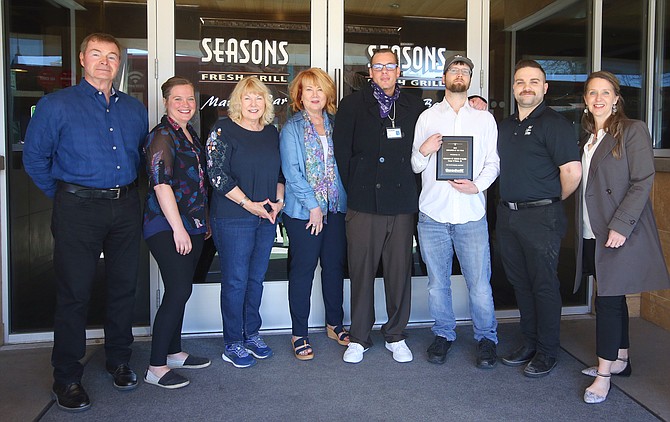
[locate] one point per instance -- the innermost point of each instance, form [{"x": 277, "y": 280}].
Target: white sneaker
[
  {"x": 401, "y": 352},
  {"x": 354, "y": 353}
]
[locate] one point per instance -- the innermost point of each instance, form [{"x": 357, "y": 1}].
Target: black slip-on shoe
[
  {"x": 170, "y": 380},
  {"x": 71, "y": 397},
  {"x": 191, "y": 362}
]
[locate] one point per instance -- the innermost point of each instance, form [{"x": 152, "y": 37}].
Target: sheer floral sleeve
[
  {"x": 218, "y": 162},
  {"x": 160, "y": 152}
]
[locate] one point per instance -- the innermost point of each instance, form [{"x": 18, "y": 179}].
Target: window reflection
[
  {"x": 42, "y": 57},
  {"x": 215, "y": 48},
  {"x": 559, "y": 41}
]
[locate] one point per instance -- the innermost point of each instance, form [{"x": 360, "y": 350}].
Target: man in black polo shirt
[{"x": 539, "y": 167}]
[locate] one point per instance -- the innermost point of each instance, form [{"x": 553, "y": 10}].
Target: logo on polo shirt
[{"x": 528, "y": 131}]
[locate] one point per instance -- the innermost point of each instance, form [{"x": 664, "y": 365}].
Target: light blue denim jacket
[{"x": 299, "y": 195}]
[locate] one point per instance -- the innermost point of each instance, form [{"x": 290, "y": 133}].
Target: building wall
[{"x": 655, "y": 306}]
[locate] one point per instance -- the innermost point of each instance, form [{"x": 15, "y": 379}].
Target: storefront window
[
  {"x": 422, "y": 36},
  {"x": 42, "y": 56},
  {"x": 661, "y": 98},
  {"x": 624, "y": 50},
  {"x": 559, "y": 41},
  {"x": 215, "y": 48}
]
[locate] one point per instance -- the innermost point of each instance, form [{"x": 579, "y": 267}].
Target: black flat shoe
[
  {"x": 124, "y": 377},
  {"x": 520, "y": 356},
  {"x": 71, "y": 397}
]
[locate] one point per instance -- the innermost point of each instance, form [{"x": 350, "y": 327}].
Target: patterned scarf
[
  {"x": 320, "y": 169},
  {"x": 385, "y": 102}
]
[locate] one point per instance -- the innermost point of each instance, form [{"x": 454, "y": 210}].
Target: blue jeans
[
  {"x": 244, "y": 246},
  {"x": 471, "y": 242}
]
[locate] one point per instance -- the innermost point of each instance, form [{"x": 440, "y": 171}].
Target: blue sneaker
[
  {"x": 238, "y": 356},
  {"x": 257, "y": 347}
]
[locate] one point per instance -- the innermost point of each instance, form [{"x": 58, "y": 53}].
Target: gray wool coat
[{"x": 617, "y": 198}]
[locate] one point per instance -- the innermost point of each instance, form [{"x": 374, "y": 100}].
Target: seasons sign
[
  {"x": 234, "y": 51},
  {"x": 417, "y": 60}
]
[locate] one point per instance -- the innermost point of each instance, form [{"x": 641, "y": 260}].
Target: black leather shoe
[
  {"x": 437, "y": 352},
  {"x": 71, "y": 397},
  {"x": 486, "y": 354},
  {"x": 540, "y": 366},
  {"x": 520, "y": 356},
  {"x": 124, "y": 377}
]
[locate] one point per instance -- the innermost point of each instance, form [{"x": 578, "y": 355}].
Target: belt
[
  {"x": 530, "y": 204},
  {"x": 92, "y": 193}
]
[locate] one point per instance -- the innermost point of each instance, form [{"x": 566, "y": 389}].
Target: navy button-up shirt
[{"x": 76, "y": 137}]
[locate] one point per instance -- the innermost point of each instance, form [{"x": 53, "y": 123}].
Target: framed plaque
[{"x": 454, "y": 158}]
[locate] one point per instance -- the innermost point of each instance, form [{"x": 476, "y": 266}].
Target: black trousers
[
  {"x": 177, "y": 273},
  {"x": 371, "y": 238},
  {"x": 82, "y": 228},
  {"x": 304, "y": 252},
  {"x": 611, "y": 313},
  {"x": 529, "y": 241}
]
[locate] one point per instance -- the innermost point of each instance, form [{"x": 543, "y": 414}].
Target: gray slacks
[{"x": 371, "y": 238}]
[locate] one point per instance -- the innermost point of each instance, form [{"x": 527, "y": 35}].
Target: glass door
[
  {"x": 216, "y": 45},
  {"x": 42, "y": 40},
  {"x": 558, "y": 37}
]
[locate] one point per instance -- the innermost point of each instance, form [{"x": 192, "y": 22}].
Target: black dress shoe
[
  {"x": 520, "y": 356},
  {"x": 437, "y": 352},
  {"x": 486, "y": 354},
  {"x": 540, "y": 366},
  {"x": 71, "y": 397},
  {"x": 124, "y": 377}
]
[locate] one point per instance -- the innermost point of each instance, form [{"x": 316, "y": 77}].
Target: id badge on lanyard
[{"x": 393, "y": 132}]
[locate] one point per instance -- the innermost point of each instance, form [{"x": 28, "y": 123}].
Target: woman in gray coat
[{"x": 620, "y": 246}]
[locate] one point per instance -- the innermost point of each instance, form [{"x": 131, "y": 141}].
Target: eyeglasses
[
  {"x": 379, "y": 67},
  {"x": 455, "y": 71}
]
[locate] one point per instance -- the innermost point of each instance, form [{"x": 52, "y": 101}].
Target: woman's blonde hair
[
  {"x": 316, "y": 77},
  {"x": 250, "y": 85}
]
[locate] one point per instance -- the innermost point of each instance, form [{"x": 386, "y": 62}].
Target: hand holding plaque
[{"x": 454, "y": 158}]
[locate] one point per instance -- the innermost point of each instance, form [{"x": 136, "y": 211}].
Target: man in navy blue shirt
[{"x": 82, "y": 149}]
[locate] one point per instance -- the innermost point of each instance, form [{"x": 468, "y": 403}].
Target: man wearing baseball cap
[{"x": 452, "y": 213}]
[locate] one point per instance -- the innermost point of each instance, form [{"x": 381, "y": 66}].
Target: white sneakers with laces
[
  {"x": 401, "y": 352},
  {"x": 354, "y": 353}
]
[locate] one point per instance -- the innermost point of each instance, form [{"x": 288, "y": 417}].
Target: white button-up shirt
[{"x": 438, "y": 199}]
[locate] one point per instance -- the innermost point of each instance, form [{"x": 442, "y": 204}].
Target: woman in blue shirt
[
  {"x": 174, "y": 226},
  {"x": 244, "y": 171},
  {"x": 315, "y": 207}
]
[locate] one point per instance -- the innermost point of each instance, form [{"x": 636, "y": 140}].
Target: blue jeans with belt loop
[
  {"x": 471, "y": 242},
  {"x": 244, "y": 246}
]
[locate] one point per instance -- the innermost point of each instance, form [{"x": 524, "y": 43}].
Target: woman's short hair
[
  {"x": 316, "y": 77},
  {"x": 167, "y": 86},
  {"x": 250, "y": 85}
]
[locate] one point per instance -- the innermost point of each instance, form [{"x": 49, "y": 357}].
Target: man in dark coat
[{"x": 373, "y": 144}]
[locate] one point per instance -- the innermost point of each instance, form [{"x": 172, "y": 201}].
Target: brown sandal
[
  {"x": 338, "y": 334},
  {"x": 301, "y": 345}
]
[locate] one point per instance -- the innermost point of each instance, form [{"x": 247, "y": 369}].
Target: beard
[{"x": 457, "y": 86}]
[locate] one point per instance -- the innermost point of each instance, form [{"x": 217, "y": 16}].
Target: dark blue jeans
[
  {"x": 82, "y": 228},
  {"x": 529, "y": 241},
  {"x": 244, "y": 246},
  {"x": 305, "y": 250}
]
